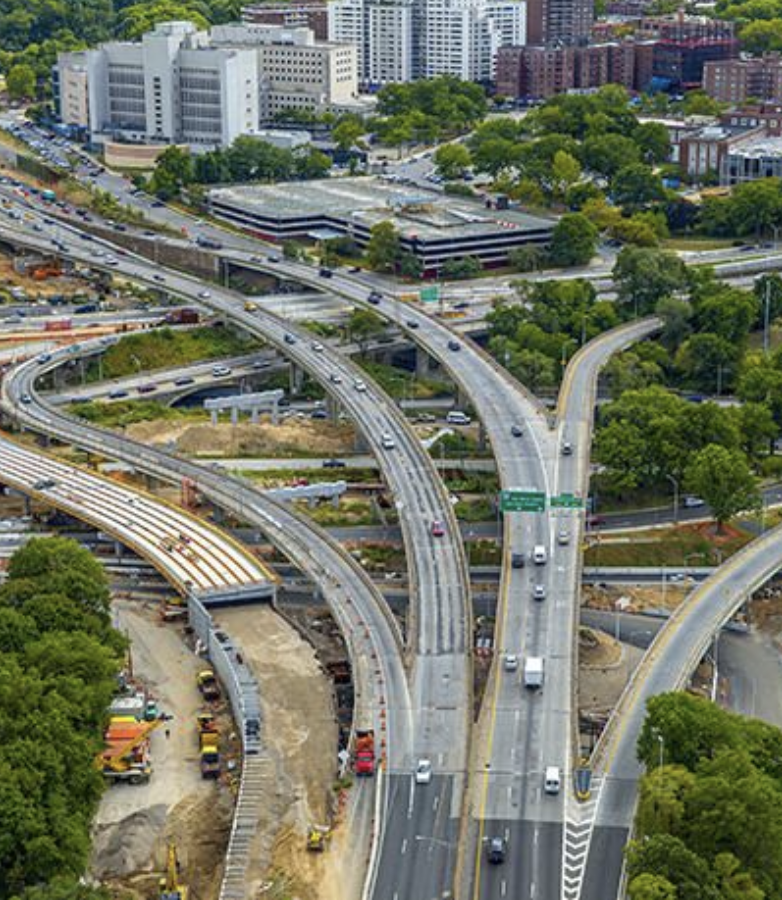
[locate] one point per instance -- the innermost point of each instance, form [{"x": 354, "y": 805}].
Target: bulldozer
[
  {"x": 317, "y": 838},
  {"x": 170, "y": 886}
]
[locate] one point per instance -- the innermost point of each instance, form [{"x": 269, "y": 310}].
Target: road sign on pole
[
  {"x": 516, "y": 500},
  {"x": 430, "y": 294},
  {"x": 566, "y": 501}
]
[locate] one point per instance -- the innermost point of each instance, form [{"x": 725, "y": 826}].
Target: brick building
[
  {"x": 309, "y": 13},
  {"x": 739, "y": 80}
]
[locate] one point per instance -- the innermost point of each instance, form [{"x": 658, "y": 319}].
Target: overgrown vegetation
[
  {"x": 168, "y": 348},
  {"x": 59, "y": 658},
  {"x": 120, "y": 413},
  {"x": 400, "y": 384},
  {"x": 709, "y": 821}
]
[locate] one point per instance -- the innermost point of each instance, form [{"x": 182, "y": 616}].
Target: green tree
[
  {"x": 139, "y": 18},
  {"x": 663, "y": 801},
  {"x": 651, "y": 887},
  {"x": 725, "y": 481},
  {"x": 734, "y": 884},
  {"x": 565, "y": 172},
  {"x": 20, "y": 82},
  {"x": 606, "y": 154},
  {"x": 756, "y": 207},
  {"x": 346, "y": 133},
  {"x": 676, "y": 314},
  {"x": 384, "y": 247},
  {"x": 762, "y": 36},
  {"x": 654, "y": 142},
  {"x": 363, "y": 325},
  {"x": 758, "y": 428},
  {"x": 466, "y": 267},
  {"x": 636, "y": 187},
  {"x": 574, "y": 241},
  {"x": 528, "y": 258},
  {"x": 173, "y": 171},
  {"x": 707, "y": 362},
  {"x": 668, "y": 858},
  {"x": 699, "y": 103},
  {"x": 452, "y": 160},
  {"x": 644, "y": 276}
]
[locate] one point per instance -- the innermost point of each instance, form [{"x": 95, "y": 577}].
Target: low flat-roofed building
[
  {"x": 433, "y": 227},
  {"x": 755, "y": 155}
]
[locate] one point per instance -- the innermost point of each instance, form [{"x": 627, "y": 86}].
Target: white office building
[
  {"x": 295, "y": 70},
  {"x": 400, "y": 40},
  {"x": 180, "y": 85}
]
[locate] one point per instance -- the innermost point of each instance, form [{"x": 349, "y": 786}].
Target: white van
[
  {"x": 552, "y": 781},
  {"x": 533, "y": 672},
  {"x": 539, "y": 555},
  {"x": 457, "y": 417}
]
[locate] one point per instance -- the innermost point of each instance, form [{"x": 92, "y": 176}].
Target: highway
[
  {"x": 518, "y": 729},
  {"x": 440, "y": 612}
]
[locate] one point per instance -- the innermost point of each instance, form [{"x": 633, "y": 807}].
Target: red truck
[
  {"x": 183, "y": 316},
  {"x": 364, "y": 753}
]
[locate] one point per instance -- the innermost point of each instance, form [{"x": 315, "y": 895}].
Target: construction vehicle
[
  {"x": 364, "y": 753},
  {"x": 170, "y": 886},
  {"x": 209, "y": 743},
  {"x": 126, "y": 757},
  {"x": 317, "y": 838},
  {"x": 207, "y": 684}
]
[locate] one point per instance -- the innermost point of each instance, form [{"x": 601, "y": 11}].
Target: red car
[{"x": 438, "y": 529}]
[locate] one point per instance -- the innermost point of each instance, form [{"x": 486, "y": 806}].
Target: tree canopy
[
  {"x": 58, "y": 663},
  {"x": 709, "y": 821}
]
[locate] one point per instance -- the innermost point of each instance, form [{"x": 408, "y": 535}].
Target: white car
[
  {"x": 360, "y": 386},
  {"x": 511, "y": 662},
  {"x": 423, "y": 771},
  {"x": 204, "y": 295},
  {"x": 388, "y": 442},
  {"x": 539, "y": 592},
  {"x": 691, "y": 502},
  {"x": 219, "y": 371},
  {"x": 317, "y": 347}
]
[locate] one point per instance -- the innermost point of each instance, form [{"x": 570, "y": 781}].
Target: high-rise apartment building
[
  {"x": 559, "y": 21},
  {"x": 180, "y": 85},
  {"x": 404, "y": 39}
]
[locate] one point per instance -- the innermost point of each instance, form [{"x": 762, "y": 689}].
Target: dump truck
[
  {"x": 207, "y": 684},
  {"x": 209, "y": 743},
  {"x": 364, "y": 752}
]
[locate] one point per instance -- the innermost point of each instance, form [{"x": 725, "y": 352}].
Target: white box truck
[{"x": 533, "y": 672}]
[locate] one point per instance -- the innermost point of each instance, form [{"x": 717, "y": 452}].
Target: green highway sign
[
  {"x": 430, "y": 294},
  {"x": 566, "y": 501},
  {"x": 515, "y": 500}
]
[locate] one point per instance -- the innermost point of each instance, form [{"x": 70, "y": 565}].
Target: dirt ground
[
  {"x": 63, "y": 285},
  {"x": 632, "y": 598},
  {"x": 244, "y": 439},
  {"x": 605, "y": 667},
  {"x": 300, "y": 734},
  {"x": 134, "y": 823}
]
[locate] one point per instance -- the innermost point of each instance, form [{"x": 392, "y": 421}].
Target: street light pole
[
  {"x": 675, "y": 484},
  {"x": 766, "y": 307}
]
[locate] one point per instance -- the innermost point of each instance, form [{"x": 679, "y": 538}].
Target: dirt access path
[
  {"x": 300, "y": 739},
  {"x": 134, "y": 822}
]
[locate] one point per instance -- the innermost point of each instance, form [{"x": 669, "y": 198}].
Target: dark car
[
  {"x": 517, "y": 560},
  {"x": 319, "y": 414},
  {"x": 290, "y": 339},
  {"x": 333, "y": 464},
  {"x": 374, "y": 298},
  {"x": 496, "y": 849},
  {"x": 324, "y": 272},
  {"x": 412, "y": 324},
  {"x": 454, "y": 346}
]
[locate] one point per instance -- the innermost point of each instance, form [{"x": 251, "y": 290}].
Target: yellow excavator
[{"x": 170, "y": 886}]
